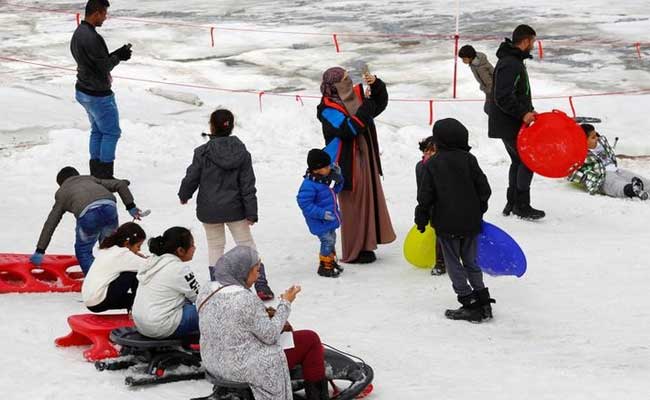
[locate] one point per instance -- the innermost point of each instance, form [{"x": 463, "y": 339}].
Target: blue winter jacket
[{"x": 314, "y": 198}]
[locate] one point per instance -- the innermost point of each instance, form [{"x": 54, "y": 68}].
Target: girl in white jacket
[
  {"x": 164, "y": 305},
  {"x": 111, "y": 283}
]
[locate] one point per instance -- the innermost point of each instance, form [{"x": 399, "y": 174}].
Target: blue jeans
[
  {"x": 96, "y": 224},
  {"x": 189, "y": 322},
  {"x": 104, "y": 125},
  {"x": 327, "y": 243}
]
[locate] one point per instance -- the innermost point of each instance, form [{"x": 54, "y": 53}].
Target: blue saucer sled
[{"x": 498, "y": 254}]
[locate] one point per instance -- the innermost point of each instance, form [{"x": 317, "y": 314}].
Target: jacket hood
[
  {"x": 450, "y": 134},
  {"x": 155, "y": 264},
  {"x": 508, "y": 49},
  {"x": 480, "y": 59},
  {"x": 226, "y": 152}
]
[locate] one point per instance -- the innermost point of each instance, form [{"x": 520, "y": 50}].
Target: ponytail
[
  {"x": 172, "y": 239},
  {"x": 127, "y": 234}
]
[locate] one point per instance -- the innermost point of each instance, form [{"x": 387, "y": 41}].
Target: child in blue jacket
[{"x": 317, "y": 200}]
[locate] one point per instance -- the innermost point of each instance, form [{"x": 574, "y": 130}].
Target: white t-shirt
[{"x": 108, "y": 265}]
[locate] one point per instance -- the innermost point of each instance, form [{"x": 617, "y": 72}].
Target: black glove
[
  {"x": 421, "y": 219},
  {"x": 123, "y": 53}
]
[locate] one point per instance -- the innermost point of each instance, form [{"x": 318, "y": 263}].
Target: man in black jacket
[
  {"x": 93, "y": 87},
  {"x": 511, "y": 107},
  {"x": 454, "y": 196}
]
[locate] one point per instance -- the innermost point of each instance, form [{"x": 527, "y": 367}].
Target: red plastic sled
[
  {"x": 18, "y": 275},
  {"x": 94, "y": 329},
  {"x": 553, "y": 146}
]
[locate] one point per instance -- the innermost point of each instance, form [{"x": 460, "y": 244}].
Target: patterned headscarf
[
  {"x": 234, "y": 266},
  {"x": 331, "y": 77}
]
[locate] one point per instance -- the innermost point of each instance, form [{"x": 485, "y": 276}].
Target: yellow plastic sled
[{"x": 420, "y": 248}]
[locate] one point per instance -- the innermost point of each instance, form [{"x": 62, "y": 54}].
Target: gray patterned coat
[{"x": 239, "y": 341}]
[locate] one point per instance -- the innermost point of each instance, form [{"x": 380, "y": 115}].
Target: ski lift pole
[{"x": 456, "y": 38}]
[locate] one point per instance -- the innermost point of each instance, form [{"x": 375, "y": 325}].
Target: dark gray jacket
[
  {"x": 222, "y": 170},
  {"x": 77, "y": 193},
  {"x": 94, "y": 63}
]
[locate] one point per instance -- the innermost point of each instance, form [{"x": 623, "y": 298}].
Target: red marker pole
[
  {"x": 336, "y": 43},
  {"x": 212, "y": 35},
  {"x": 78, "y": 19}
]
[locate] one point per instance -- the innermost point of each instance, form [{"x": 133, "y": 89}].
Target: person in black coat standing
[
  {"x": 93, "y": 87},
  {"x": 454, "y": 196},
  {"x": 512, "y": 107}
]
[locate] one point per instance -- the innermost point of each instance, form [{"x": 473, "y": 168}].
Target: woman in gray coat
[{"x": 240, "y": 338}]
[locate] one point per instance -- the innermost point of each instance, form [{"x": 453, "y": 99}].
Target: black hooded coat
[{"x": 454, "y": 192}]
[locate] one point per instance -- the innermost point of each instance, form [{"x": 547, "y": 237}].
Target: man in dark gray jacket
[
  {"x": 481, "y": 68},
  {"x": 93, "y": 204},
  {"x": 93, "y": 87}
]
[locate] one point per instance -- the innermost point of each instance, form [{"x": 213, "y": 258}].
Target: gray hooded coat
[
  {"x": 239, "y": 342},
  {"x": 483, "y": 71},
  {"x": 222, "y": 171}
]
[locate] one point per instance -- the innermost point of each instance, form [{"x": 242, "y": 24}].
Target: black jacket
[
  {"x": 337, "y": 123},
  {"x": 94, "y": 63},
  {"x": 454, "y": 191},
  {"x": 222, "y": 170},
  {"x": 511, "y": 97}
]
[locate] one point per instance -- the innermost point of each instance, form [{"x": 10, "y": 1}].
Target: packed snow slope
[{"x": 574, "y": 327}]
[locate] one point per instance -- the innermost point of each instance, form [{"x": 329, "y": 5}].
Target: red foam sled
[
  {"x": 94, "y": 330},
  {"x": 18, "y": 275},
  {"x": 553, "y": 146}
]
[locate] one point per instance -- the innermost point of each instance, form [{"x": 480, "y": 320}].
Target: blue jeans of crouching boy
[
  {"x": 189, "y": 322},
  {"x": 460, "y": 260},
  {"x": 104, "y": 125},
  {"x": 327, "y": 243},
  {"x": 97, "y": 222}
]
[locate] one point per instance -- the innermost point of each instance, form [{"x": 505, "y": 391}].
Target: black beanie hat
[
  {"x": 223, "y": 121},
  {"x": 317, "y": 159},
  {"x": 65, "y": 173}
]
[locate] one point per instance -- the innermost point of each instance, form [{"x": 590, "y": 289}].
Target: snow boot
[
  {"x": 104, "y": 170},
  {"x": 317, "y": 390},
  {"x": 470, "y": 310},
  {"x": 336, "y": 263},
  {"x": 439, "y": 268},
  {"x": 365, "y": 257},
  {"x": 262, "y": 288},
  {"x": 485, "y": 302},
  {"x": 94, "y": 167},
  {"x": 522, "y": 207},
  {"x": 511, "y": 194},
  {"x": 638, "y": 189},
  {"x": 326, "y": 267}
]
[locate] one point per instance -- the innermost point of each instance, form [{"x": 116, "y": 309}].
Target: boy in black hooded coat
[{"x": 454, "y": 194}]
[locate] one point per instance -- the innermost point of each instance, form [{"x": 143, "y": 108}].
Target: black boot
[
  {"x": 104, "y": 170},
  {"x": 365, "y": 257},
  {"x": 470, "y": 311},
  {"x": 94, "y": 167},
  {"x": 317, "y": 390},
  {"x": 326, "y": 267},
  {"x": 511, "y": 195},
  {"x": 485, "y": 302},
  {"x": 636, "y": 189},
  {"x": 522, "y": 207}
]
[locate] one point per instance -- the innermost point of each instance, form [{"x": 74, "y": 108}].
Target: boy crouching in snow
[
  {"x": 317, "y": 200},
  {"x": 600, "y": 171},
  {"x": 454, "y": 195}
]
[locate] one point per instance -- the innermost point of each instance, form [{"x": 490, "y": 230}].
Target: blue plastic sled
[{"x": 498, "y": 253}]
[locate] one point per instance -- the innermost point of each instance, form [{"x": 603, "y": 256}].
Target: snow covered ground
[{"x": 574, "y": 327}]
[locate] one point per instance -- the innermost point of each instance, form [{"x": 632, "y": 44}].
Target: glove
[
  {"x": 123, "y": 53},
  {"x": 37, "y": 258},
  {"x": 135, "y": 212},
  {"x": 329, "y": 216},
  {"x": 336, "y": 175},
  {"x": 421, "y": 219},
  {"x": 336, "y": 169}
]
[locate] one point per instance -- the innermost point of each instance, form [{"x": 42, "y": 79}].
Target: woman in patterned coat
[{"x": 240, "y": 337}]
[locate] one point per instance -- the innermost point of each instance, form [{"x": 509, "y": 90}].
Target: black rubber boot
[
  {"x": 485, "y": 302},
  {"x": 94, "y": 167},
  {"x": 522, "y": 207},
  {"x": 511, "y": 196},
  {"x": 317, "y": 390},
  {"x": 326, "y": 267},
  {"x": 470, "y": 311}
]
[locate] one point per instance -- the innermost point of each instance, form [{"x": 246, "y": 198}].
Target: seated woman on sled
[{"x": 240, "y": 336}]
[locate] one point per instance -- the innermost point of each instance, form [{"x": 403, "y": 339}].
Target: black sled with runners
[{"x": 154, "y": 361}]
